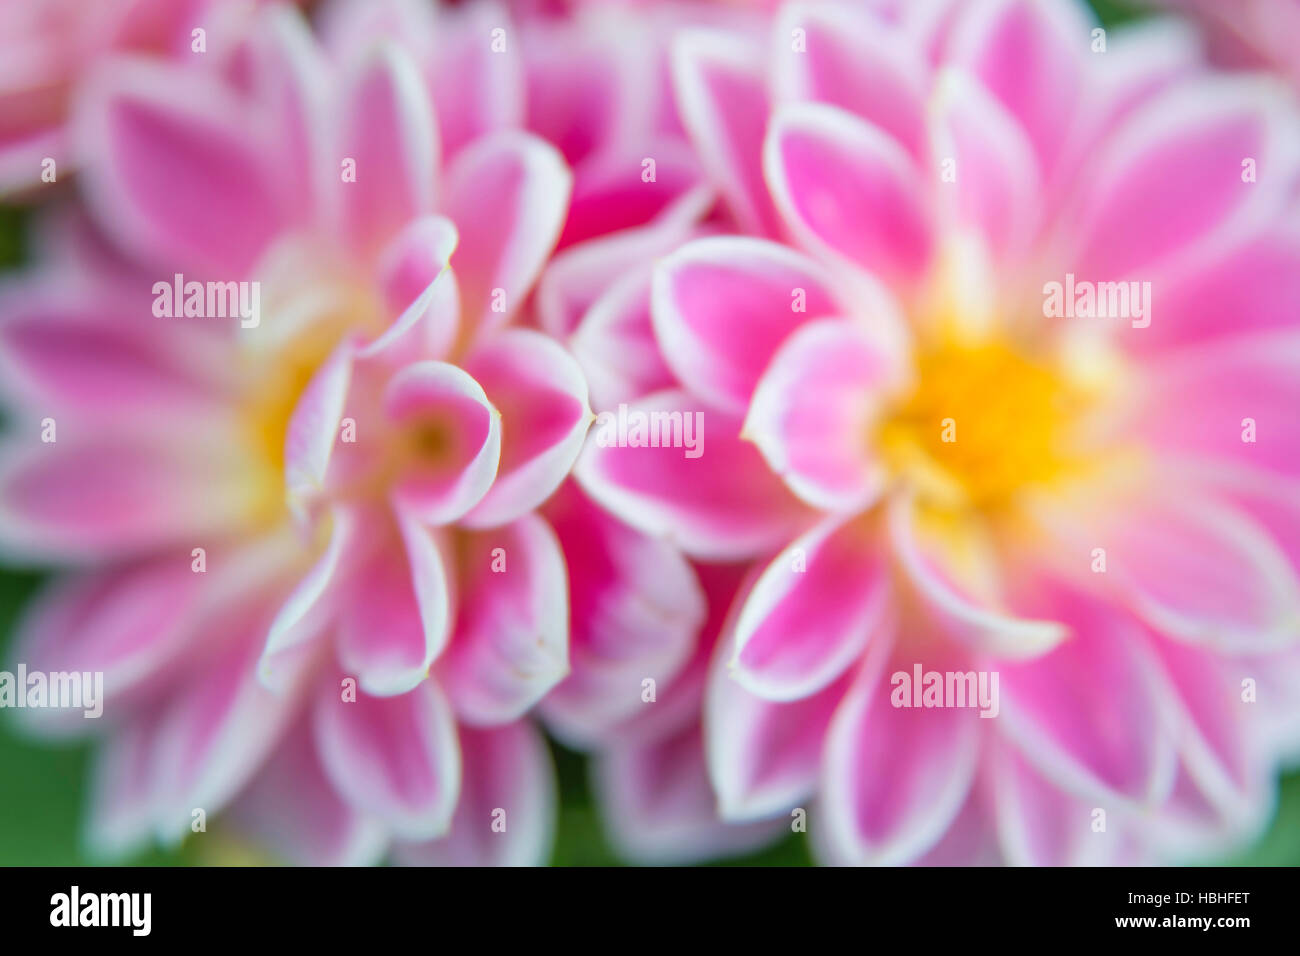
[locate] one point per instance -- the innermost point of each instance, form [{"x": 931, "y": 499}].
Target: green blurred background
[{"x": 43, "y": 792}]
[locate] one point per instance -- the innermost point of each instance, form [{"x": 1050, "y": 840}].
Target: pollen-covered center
[{"x": 982, "y": 422}]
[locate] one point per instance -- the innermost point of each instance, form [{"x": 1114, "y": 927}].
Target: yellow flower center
[{"x": 983, "y": 420}]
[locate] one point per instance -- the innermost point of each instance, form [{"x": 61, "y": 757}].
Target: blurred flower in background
[{"x": 325, "y": 546}]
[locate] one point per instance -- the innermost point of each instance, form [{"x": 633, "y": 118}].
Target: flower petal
[
  {"x": 511, "y": 640},
  {"x": 506, "y": 812},
  {"x": 541, "y": 395},
  {"x": 722, "y": 306},
  {"x": 812, "y": 611},
  {"x": 728, "y": 505},
  {"x": 394, "y": 757},
  {"x": 847, "y": 190},
  {"x": 508, "y": 194}
]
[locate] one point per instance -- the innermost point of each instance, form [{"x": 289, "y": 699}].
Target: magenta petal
[
  {"x": 722, "y": 306},
  {"x": 1169, "y": 182},
  {"x": 1031, "y": 56},
  {"x": 398, "y": 617},
  {"x": 847, "y": 189},
  {"x": 814, "y": 407},
  {"x": 476, "y": 90},
  {"x": 511, "y": 640},
  {"x": 506, "y": 812},
  {"x": 541, "y": 395},
  {"x": 394, "y": 757},
  {"x": 508, "y": 194},
  {"x": 812, "y": 611},
  {"x": 856, "y": 62},
  {"x": 723, "y": 503},
  {"x": 721, "y": 94},
  {"x": 388, "y": 132}
]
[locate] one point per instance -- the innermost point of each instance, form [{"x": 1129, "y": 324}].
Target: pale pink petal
[
  {"x": 476, "y": 89},
  {"x": 1031, "y": 56},
  {"x": 722, "y": 503},
  {"x": 396, "y": 758},
  {"x": 1085, "y": 713},
  {"x": 216, "y": 732},
  {"x": 636, "y": 610},
  {"x": 388, "y": 132},
  {"x": 1191, "y": 566},
  {"x": 541, "y": 395},
  {"x": 615, "y": 344},
  {"x": 398, "y": 617},
  {"x": 813, "y": 411},
  {"x": 171, "y": 167},
  {"x": 122, "y": 797},
  {"x": 1169, "y": 184},
  {"x": 506, "y": 812},
  {"x": 848, "y": 190},
  {"x": 764, "y": 757},
  {"x": 996, "y": 193},
  {"x": 577, "y": 277},
  {"x": 658, "y": 806},
  {"x": 722, "y": 306},
  {"x": 1208, "y": 402},
  {"x": 441, "y": 487},
  {"x": 147, "y": 494},
  {"x": 511, "y": 641},
  {"x": 292, "y": 808},
  {"x": 313, "y": 430},
  {"x": 1039, "y": 824},
  {"x": 894, "y": 778},
  {"x": 969, "y": 606},
  {"x": 314, "y": 601},
  {"x": 128, "y": 623},
  {"x": 411, "y": 264},
  {"x": 508, "y": 194},
  {"x": 65, "y": 350}
]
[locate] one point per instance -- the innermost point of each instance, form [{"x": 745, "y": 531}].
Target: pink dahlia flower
[
  {"x": 313, "y": 574},
  {"x": 1085, "y": 515}
]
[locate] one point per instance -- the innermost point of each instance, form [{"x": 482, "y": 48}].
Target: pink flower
[
  {"x": 378, "y": 604},
  {"x": 938, "y": 472}
]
